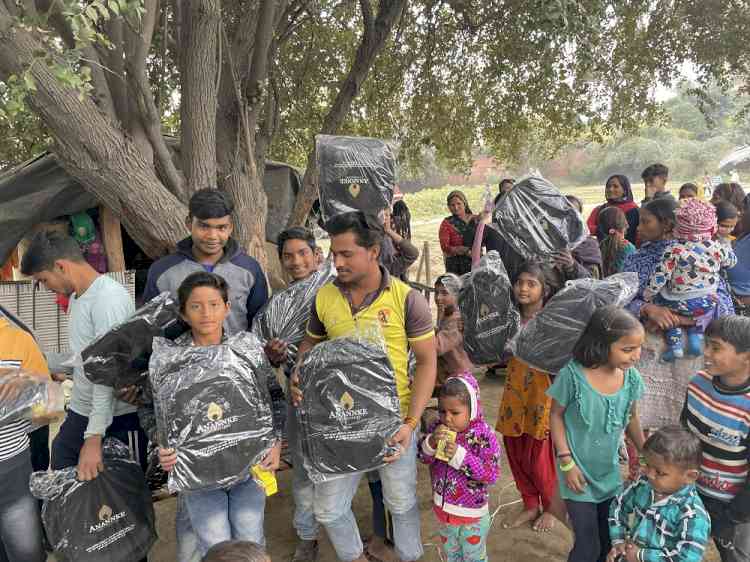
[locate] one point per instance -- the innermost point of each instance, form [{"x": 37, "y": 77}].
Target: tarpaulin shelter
[
  {"x": 40, "y": 190},
  {"x": 738, "y": 159}
]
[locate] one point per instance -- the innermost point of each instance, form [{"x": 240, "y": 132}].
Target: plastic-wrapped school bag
[
  {"x": 350, "y": 407},
  {"x": 35, "y": 398},
  {"x": 356, "y": 174},
  {"x": 537, "y": 220},
  {"x": 119, "y": 357},
  {"x": 213, "y": 407},
  {"x": 286, "y": 314},
  {"x": 546, "y": 342},
  {"x": 489, "y": 315},
  {"x": 109, "y": 518}
]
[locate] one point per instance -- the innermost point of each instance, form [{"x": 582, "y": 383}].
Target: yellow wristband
[
  {"x": 411, "y": 422},
  {"x": 568, "y": 466}
]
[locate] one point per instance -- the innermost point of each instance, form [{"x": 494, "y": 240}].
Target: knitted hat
[{"x": 696, "y": 220}]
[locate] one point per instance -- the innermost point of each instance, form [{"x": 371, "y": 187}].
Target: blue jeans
[
  {"x": 187, "y": 540},
  {"x": 333, "y": 508},
  {"x": 302, "y": 488},
  {"x": 20, "y": 522},
  {"x": 234, "y": 513}
]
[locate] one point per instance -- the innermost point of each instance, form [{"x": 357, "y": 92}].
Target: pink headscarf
[{"x": 696, "y": 220}]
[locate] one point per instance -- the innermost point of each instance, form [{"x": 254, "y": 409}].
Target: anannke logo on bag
[
  {"x": 354, "y": 190},
  {"x": 346, "y": 411},
  {"x": 105, "y": 513},
  {"x": 216, "y": 419},
  {"x": 106, "y": 518},
  {"x": 346, "y": 401},
  {"x": 484, "y": 310},
  {"x": 214, "y": 412}
]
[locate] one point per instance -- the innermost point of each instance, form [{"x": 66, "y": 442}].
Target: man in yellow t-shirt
[
  {"x": 365, "y": 293},
  {"x": 20, "y": 523}
]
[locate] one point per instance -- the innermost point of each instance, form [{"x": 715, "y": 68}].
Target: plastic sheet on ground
[
  {"x": 213, "y": 407},
  {"x": 350, "y": 407},
  {"x": 546, "y": 342},
  {"x": 109, "y": 518},
  {"x": 286, "y": 314},
  {"x": 356, "y": 174},
  {"x": 119, "y": 358},
  {"x": 537, "y": 220},
  {"x": 33, "y": 397},
  {"x": 490, "y": 318}
]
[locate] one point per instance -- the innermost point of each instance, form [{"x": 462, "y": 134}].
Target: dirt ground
[{"x": 504, "y": 545}]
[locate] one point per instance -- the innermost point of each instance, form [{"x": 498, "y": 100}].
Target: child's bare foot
[
  {"x": 544, "y": 523},
  {"x": 526, "y": 516}
]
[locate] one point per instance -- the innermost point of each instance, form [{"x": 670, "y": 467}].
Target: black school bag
[
  {"x": 537, "y": 220},
  {"x": 286, "y": 314},
  {"x": 213, "y": 406},
  {"x": 489, "y": 315},
  {"x": 350, "y": 407},
  {"x": 546, "y": 342},
  {"x": 110, "y": 518},
  {"x": 119, "y": 357},
  {"x": 356, "y": 174}
]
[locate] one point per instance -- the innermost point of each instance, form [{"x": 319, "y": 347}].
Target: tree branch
[
  {"x": 29, "y": 9},
  {"x": 92, "y": 58},
  {"x": 200, "y": 65},
  {"x": 91, "y": 148},
  {"x": 114, "y": 59},
  {"x": 11, "y": 7},
  {"x": 367, "y": 21},
  {"x": 151, "y": 120}
]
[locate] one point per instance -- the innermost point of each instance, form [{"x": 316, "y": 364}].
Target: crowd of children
[{"x": 562, "y": 433}]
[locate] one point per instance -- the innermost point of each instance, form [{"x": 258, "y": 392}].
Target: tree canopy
[{"x": 238, "y": 81}]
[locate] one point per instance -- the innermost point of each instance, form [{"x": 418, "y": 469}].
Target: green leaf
[
  {"x": 28, "y": 80},
  {"x": 102, "y": 10},
  {"x": 92, "y": 14},
  {"x": 114, "y": 7}
]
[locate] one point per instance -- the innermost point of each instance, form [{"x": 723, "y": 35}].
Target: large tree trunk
[
  {"x": 93, "y": 149},
  {"x": 374, "y": 38},
  {"x": 200, "y": 65}
]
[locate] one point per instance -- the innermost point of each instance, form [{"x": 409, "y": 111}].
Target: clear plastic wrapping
[
  {"x": 350, "y": 407},
  {"x": 286, "y": 314},
  {"x": 489, "y": 315},
  {"x": 546, "y": 342},
  {"x": 33, "y": 397},
  {"x": 213, "y": 407},
  {"x": 537, "y": 220},
  {"x": 119, "y": 358},
  {"x": 356, "y": 174},
  {"x": 109, "y": 518}
]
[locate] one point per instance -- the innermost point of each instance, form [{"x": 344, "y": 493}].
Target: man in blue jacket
[{"x": 211, "y": 247}]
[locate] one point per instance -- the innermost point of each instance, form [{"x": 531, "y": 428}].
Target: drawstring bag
[
  {"x": 109, "y": 518},
  {"x": 536, "y": 220},
  {"x": 350, "y": 407},
  {"x": 356, "y": 174},
  {"x": 119, "y": 357},
  {"x": 212, "y": 405},
  {"x": 286, "y": 314},
  {"x": 546, "y": 342},
  {"x": 490, "y": 318}
]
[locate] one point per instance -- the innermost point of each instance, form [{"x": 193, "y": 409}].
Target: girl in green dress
[{"x": 593, "y": 403}]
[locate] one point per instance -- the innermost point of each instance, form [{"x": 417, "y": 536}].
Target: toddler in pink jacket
[{"x": 464, "y": 459}]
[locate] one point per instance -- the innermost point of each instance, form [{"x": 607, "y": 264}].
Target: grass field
[{"x": 428, "y": 208}]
